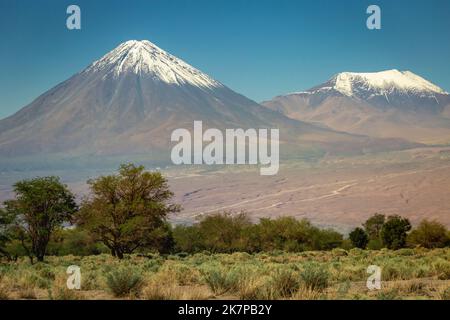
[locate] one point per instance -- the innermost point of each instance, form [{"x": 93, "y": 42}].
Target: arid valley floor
[
  {"x": 335, "y": 192},
  {"x": 332, "y": 192}
]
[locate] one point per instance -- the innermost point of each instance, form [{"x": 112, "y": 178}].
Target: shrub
[
  {"x": 314, "y": 277},
  {"x": 179, "y": 273},
  {"x": 217, "y": 280},
  {"x": 36, "y": 280},
  {"x": 27, "y": 292},
  {"x": 89, "y": 281},
  {"x": 124, "y": 282},
  {"x": 307, "y": 294},
  {"x": 416, "y": 287},
  {"x": 152, "y": 265},
  {"x": 375, "y": 244},
  {"x": 59, "y": 291},
  {"x": 158, "y": 291},
  {"x": 4, "y": 292},
  {"x": 47, "y": 273},
  {"x": 339, "y": 252},
  {"x": 396, "y": 271},
  {"x": 285, "y": 283},
  {"x": 256, "y": 288},
  {"x": 442, "y": 270},
  {"x": 445, "y": 295}
]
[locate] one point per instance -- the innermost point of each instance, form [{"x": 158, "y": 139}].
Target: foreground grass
[{"x": 338, "y": 274}]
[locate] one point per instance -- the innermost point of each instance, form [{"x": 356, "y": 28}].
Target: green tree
[
  {"x": 290, "y": 234},
  {"x": 359, "y": 238},
  {"x": 326, "y": 239},
  {"x": 126, "y": 211},
  {"x": 188, "y": 239},
  {"x": 161, "y": 239},
  {"x": 429, "y": 234},
  {"x": 373, "y": 226},
  {"x": 74, "y": 241},
  {"x": 394, "y": 232},
  {"x": 41, "y": 206},
  {"x": 286, "y": 233},
  {"x": 5, "y": 233},
  {"x": 224, "y": 232}
]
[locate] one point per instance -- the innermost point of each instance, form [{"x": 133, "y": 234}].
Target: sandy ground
[{"x": 426, "y": 289}]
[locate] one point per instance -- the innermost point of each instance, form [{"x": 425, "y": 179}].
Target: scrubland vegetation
[
  {"x": 121, "y": 239},
  {"x": 337, "y": 274}
]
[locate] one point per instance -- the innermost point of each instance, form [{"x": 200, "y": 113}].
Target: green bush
[
  {"x": 124, "y": 281},
  {"x": 375, "y": 244},
  {"x": 315, "y": 277},
  {"x": 217, "y": 280},
  {"x": 285, "y": 283}
]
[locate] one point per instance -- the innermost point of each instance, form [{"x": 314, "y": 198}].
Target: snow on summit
[
  {"x": 381, "y": 83},
  {"x": 145, "y": 58}
]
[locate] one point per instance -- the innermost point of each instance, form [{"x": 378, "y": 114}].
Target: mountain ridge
[
  {"x": 129, "y": 101},
  {"x": 387, "y": 104}
]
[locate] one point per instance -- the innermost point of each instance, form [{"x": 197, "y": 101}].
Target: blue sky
[{"x": 260, "y": 48}]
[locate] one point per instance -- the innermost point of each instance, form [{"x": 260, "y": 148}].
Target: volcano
[
  {"x": 385, "y": 104},
  {"x": 129, "y": 101}
]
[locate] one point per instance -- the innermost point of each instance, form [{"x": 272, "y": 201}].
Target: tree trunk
[{"x": 40, "y": 249}]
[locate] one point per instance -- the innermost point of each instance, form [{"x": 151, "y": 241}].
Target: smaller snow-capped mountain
[
  {"x": 391, "y": 88},
  {"x": 379, "y": 84},
  {"x": 385, "y": 104}
]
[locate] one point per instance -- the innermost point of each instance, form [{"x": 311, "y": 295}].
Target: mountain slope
[
  {"x": 129, "y": 101},
  {"x": 381, "y": 104}
]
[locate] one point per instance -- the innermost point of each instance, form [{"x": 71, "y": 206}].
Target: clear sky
[{"x": 260, "y": 48}]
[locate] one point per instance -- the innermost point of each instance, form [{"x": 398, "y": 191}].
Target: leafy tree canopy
[
  {"x": 126, "y": 210},
  {"x": 41, "y": 205}
]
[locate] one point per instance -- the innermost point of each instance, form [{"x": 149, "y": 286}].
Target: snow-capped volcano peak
[
  {"x": 146, "y": 59},
  {"x": 381, "y": 83}
]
